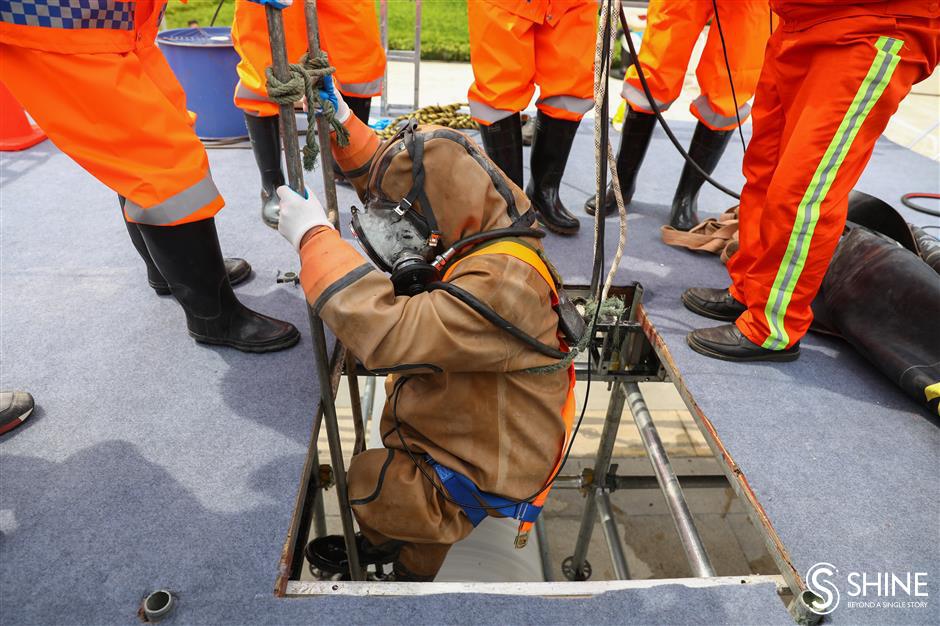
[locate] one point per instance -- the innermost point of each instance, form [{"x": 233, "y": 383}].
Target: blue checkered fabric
[{"x": 71, "y": 14}]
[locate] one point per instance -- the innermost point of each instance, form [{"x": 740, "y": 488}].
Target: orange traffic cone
[{"x": 16, "y": 133}]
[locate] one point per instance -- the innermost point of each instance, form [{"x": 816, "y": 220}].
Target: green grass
[{"x": 444, "y": 34}]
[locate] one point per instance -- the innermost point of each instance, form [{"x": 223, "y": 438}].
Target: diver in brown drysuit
[{"x": 460, "y": 403}]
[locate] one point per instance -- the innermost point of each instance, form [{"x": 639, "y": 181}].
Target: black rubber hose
[
  {"x": 496, "y": 319},
  {"x": 906, "y": 201}
]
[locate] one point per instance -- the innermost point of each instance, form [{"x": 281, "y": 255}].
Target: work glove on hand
[
  {"x": 277, "y": 4},
  {"x": 329, "y": 92},
  {"x": 299, "y": 215}
]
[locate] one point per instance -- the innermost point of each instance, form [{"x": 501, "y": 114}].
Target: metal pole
[
  {"x": 417, "y": 57},
  {"x": 319, "y": 513},
  {"x": 288, "y": 127},
  {"x": 336, "y": 449},
  {"x": 329, "y": 407},
  {"x": 288, "y": 123},
  {"x": 609, "y": 525},
  {"x": 383, "y": 25},
  {"x": 322, "y": 129},
  {"x": 545, "y": 555},
  {"x": 601, "y": 464},
  {"x": 688, "y": 533}
]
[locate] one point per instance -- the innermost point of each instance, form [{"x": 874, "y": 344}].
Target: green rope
[
  {"x": 304, "y": 81},
  {"x": 611, "y": 307}
]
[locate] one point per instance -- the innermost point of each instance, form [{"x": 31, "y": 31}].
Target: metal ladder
[{"x": 405, "y": 56}]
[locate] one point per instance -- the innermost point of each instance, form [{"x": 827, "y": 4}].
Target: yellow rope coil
[{"x": 441, "y": 114}]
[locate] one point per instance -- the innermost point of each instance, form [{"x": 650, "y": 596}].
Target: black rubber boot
[
  {"x": 706, "y": 149},
  {"x": 634, "y": 140},
  {"x": 238, "y": 270},
  {"x": 265, "y": 139},
  {"x": 551, "y": 146},
  {"x": 360, "y": 107},
  {"x": 327, "y": 555},
  {"x": 502, "y": 141},
  {"x": 189, "y": 258}
]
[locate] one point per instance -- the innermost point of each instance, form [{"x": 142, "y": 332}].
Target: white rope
[{"x": 601, "y": 77}]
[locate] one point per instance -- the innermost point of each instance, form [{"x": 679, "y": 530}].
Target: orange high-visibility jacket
[{"x": 92, "y": 78}]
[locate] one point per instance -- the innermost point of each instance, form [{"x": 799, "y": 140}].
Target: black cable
[
  {"x": 734, "y": 96},
  {"x": 495, "y": 318},
  {"x": 662, "y": 122},
  {"x": 216, "y": 14},
  {"x": 906, "y": 201}
]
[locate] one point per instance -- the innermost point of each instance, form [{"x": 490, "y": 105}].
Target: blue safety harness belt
[{"x": 466, "y": 493}]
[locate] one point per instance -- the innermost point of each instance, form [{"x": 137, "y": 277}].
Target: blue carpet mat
[{"x": 153, "y": 462}]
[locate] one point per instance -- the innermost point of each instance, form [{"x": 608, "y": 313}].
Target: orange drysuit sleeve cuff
[
  {"x": 354, "y": 159},
  {"x": 327, "y": 264}
]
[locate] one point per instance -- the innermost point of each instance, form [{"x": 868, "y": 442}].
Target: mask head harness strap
[{"x": 414, "y": 142}]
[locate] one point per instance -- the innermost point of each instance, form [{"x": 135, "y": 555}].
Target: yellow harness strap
[{"x": 517, "y": 250}]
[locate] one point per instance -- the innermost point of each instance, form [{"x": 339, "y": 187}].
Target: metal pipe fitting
[{"x": 158, "y": 605}]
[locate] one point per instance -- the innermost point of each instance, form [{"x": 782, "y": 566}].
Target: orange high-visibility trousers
[
  {"x": 349, "y": 34},
  {"x": 515, "y": 46},
  {"x": 825, "y": 95},
  {"x": 673, "y": 27},
  {"x": 123, "y": 118}
]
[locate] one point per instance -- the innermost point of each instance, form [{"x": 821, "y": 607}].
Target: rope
[
  {"x": 610, "y": 307},
  {"x": 304, "y": 81},
  {"x": 440, "y": 114},
  {"x": 601, "y": 72}
]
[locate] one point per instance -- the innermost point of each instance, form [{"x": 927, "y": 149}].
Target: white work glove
[{"x": 299, "y": 215}]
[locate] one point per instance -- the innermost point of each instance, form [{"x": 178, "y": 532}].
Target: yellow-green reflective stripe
[{"x": 794, "y": 259}]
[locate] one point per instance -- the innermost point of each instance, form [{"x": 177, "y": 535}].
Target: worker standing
[
  {"x": 514, "y": 46},
  {"x": 93, "y": 79},
  {"x": 349, "y": 34},
  {"x": 833, "y": 76},
  {"x": 673, "y": 28}
]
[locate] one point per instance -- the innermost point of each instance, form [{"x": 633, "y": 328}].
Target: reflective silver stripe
[
  {"x": 637, "y": 99},
  {"x": 247, "y": 94},
  {"x": 568, "y": 103},
  {"x": 177, "y": 207},
  {"x": 715, "y": 119},
  {"x": 369, "y": 88},
  {"x": 486, "y": 113}
]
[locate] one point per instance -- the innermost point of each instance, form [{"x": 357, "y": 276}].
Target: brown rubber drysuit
[{"x": 457, "y": 386}]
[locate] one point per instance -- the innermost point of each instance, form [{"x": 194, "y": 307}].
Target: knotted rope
[
  {"x": 305, "y": 79},
  {"x": 611, "y": 307}
]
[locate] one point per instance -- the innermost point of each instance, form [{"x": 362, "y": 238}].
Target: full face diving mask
[
  {"x": 400, "y": 242},
  {"x": 406, "y": 242}
]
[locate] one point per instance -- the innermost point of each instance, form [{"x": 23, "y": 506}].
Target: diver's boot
[
  {"x": 502, "y": 141},
  {"x": 634, "y": 140},
  {"x": 551, "y": 146},
  {"x": 327, "y": 555},
  {"x": 360, "y": 107},
  {"x": 189, "y": 258},
  {"x": 706, "y": 149},
  {"x": 238, "y": 270},
  {"x": 265, "y": 139}
]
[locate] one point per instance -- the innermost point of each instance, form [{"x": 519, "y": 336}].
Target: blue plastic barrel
[{"x": 204, "y": 61}]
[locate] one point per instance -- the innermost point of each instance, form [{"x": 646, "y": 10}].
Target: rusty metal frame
[{"x": 735, "y": 475}]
